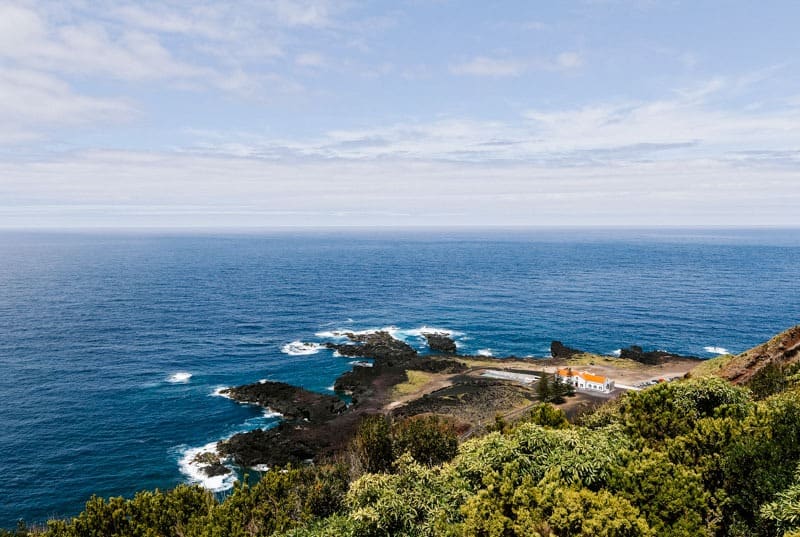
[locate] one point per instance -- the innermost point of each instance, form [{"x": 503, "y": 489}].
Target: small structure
[
  {"x": 522, "y": 378},
  {"x": 582, "y": 380}
]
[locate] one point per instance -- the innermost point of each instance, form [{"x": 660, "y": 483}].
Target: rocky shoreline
[
  {"x": 318, "y": 426},
  {"x": 559, "y": 351}
]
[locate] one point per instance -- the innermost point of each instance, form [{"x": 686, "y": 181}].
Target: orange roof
[
  {"x": 566, "y": 372},
  {"x": 593, "y": 378}
]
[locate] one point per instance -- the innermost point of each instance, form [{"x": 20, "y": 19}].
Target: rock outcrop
[
  {"x": 292, "y": 402},
  {"x": 636, "y": 353},
  {"x": 439, "y": 342},
  {"x": 560, "y": 351},
  {"x": 380, "y": 346}
]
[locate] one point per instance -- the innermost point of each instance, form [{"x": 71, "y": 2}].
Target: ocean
[{"x": 113, "y": 345}]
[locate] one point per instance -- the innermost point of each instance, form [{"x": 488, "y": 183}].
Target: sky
[{"x": 265, "y": 113}]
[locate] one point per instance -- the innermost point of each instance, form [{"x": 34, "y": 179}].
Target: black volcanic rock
[
  {"x": 291, "y": 401},
  {"x": 559, "y": 350},
  {"x": 215, "y": 470},
  {"x": 380, "y": 346},
  {"x": 634, "y": 352},
  {"x": 277, "y": 446},
  {"x": 330, "y": 424},
  {"x": 439, "y": 342}
]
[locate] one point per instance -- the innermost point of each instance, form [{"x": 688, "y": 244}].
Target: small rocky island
[{"x": 399, "y": 381}]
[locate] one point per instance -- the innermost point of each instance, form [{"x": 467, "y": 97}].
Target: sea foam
[
  {"x": 194, "y": 469},
  {"x": 407, "y": 335},
  {"x": 300, "y": 348},
  {"x": 716, "y": 350},
  {"x": 485, "y": 352},
  {"x": 218, "y": 392},
  {"x": 181, "y": 377}
]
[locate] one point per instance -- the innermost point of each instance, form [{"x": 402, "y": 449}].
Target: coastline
[{"x": 400, "y": 382}]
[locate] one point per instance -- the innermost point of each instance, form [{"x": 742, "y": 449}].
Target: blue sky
[{"x": 406, "y": 113}]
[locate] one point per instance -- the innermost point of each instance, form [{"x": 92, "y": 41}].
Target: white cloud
[
  {"x": 690, "y": 123},
  {"x": 511, "y": 67},
  {"x": 30, "y": 100},
  {"x": 313, "y": 13},
  {"x": 310, "y": 59},
  {"x": 689, "y": 116},
  {"x": 151, "y": 189},
  {"x": 86, "y": 48},
  {"x": 493, "y": 67},
  {"x": 569, "y": 60}
]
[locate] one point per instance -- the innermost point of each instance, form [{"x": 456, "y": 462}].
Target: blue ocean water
[{"x": 100, "y": 332}]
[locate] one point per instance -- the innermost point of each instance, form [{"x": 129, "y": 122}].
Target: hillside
[{"x": 781, "y": 351}]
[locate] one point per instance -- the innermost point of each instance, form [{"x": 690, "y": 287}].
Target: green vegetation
[
  {"x": 697, "y": 457},
  {"x": 712, "y": 366},
  {"x": 585, "y": 358},
  {"x": 416, "y": 380},
  {"x": 553, "y": 389},
  {"x": 428, "y": 440}
]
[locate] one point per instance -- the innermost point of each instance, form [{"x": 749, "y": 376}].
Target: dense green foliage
[
  {"x": 698, "y": 457},
  {"x": 428, "y": 439}
]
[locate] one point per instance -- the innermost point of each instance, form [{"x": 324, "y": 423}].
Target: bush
[
  {"x": 373, "y": 443},
  {"x": 428, "y": 439},
  {"x": 547, "y": 415}
]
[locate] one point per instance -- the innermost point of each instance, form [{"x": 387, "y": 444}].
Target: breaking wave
[{"x": 181, "y": 377}]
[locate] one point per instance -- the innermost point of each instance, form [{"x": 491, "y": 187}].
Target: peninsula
[{"x": 472, "y": 392}]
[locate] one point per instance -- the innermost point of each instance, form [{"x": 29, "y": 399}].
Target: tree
[
  {"x": 769, "y": 380},
  {"x": 547, "y": 415},
  {"x": 560, "y": 389},
  {"x": 373, "y": 443},
  {"x": 429, "y": 439},
  {"x": 543, "y": 391}
]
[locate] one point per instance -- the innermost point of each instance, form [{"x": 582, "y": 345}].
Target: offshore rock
[
  {"x": 439, "y": 342},
  {"x": 380, "y": 346},
  {"x": 634, "y": 352}
]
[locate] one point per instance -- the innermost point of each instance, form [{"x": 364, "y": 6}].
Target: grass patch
[
  {"x": 416, "y": 380},
  {"x": 712, "y": 366},
  {"x": 476, "y": 362},
  {"x": 596, "y": 359}
]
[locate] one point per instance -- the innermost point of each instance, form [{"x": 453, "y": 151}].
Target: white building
[{"x": 582, "y": 380}]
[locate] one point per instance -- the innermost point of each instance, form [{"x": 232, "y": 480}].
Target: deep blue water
[{"x": 92, "y": 326}]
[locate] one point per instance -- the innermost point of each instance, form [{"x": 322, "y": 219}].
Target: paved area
[{"x": 507, "y": 375}]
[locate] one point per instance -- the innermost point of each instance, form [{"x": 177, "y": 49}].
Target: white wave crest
[
  {"x": 485, "y": 352},
  {"x": 361, "y": 363},
  {"x": 716, "y": 350},
  {"x": 343, "y": 334},
  {"x": 193, "y": 469},
  {"x": 181, "y": 377},
  {"x": 422, "y": 330},
  {"x": 218, "y": 392},
  {"x": 331, "y": 334},
  {"x": 407, "y": 335},
  {"x": 616, "y": 352},
  {"x": 300, "y": 348},
  {"x": 260, "y": 468}
]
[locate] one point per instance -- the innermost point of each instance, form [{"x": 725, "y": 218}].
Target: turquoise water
[{"x": 99, "y": 332}]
